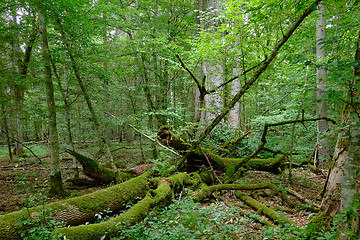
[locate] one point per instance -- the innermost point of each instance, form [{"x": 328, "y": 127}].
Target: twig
[{"x": 275, "y": 103}]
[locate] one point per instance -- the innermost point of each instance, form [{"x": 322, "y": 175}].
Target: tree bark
[
  {"x": 330, "y": 205},
  {"x": 348, "y": 188},
  {"x": 161, "y": 196},
  {"x": 77, "y": 210},
  {"x": 67, "y": 118},
  {"x": 323, "y": 149},
  {"x": 56, "y": 185}
]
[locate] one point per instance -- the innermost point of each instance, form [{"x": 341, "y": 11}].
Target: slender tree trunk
[
  {"x": 6, "y": 127},
  {"x": 67, "y": 118},
  {"x": 322, "y": 125},
  {"x": 330, "y": 205},
  {"x": 99, "y": 131},
  {"x": 235, "y": 120},
  {"x": 56, "y": 186},
  {"x": 18, "y": 90}
]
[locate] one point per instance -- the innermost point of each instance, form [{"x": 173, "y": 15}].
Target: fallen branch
[
  {"x": 211, "y": 167},
  {"x": 95, "y": 171},
  {"x": 262, "y": 209},
  {"x": 161, "y": 196},
  {"x": 303, "y": 199},
  {"x": 145, "y": 135},
  {"x": 207, "y": 191}
]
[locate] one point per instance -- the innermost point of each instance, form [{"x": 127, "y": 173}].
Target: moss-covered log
[
  {"x": 77, "y": 210},
  {"x": 262, "y": 209},
  {"x": 100, "y": 173},
  {"x": 207, "y": 191},
  {"x": 159, "y": 197},
  {"x": 231, "y": 165},
  {"x": 274, "y": 165}
]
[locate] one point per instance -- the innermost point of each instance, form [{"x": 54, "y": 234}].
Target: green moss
[
  {"x": 230, "y": 170},
  {"x": 343, "y": 143},
  {"x": 207, "y": 177},
  {"x": 161, "y": 196},
  {"x": 318, "y": 223},
  {"x": 114, "y": 197},
  {"x": 179, "y": 180}
]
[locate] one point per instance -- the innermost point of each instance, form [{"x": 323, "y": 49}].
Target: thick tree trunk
[
  {"x": 330, "y": 205},
  {"x": 348, "y": 187},
  {"x": 56, "y": 186},
  {"x": 323, "y": 149}
]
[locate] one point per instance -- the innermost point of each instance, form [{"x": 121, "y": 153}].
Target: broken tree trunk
[
  {"x": 199, "y": 156},
  {"x": 77, "y": 210},
  {"x": 100, "y": 173}
]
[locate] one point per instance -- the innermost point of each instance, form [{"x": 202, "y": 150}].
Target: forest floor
[{"x": 23, "y": 183}]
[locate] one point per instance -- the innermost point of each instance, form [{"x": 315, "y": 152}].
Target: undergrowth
[{"x": 185, "y": 219}]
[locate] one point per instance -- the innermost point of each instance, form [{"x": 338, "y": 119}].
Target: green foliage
[
  {"x": 40, "y": 226},
  {"x": 185, "y": 219},
  {"x": 318, "y": 227},
  {"x": 163, "y": 166}
]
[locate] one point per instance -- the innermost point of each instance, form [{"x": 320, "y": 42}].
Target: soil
[{"x": 23, "y": 183}]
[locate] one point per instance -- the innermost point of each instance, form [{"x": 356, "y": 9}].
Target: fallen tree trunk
[
  {"x": 77, "y": 210},
  {"x": 159, "y": 197}
]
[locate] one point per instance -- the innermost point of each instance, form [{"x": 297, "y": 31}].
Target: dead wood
[
  {"x": 262, "y": 209},
  {"x": 303, "y": 199},
  {"x": 138, "y": 170},
  {"x": 200, "y": 157},
  {"x": 76, "y": 210},
  {"x": 208, "y": 191},
  {"x": 95, "y": 171},
  {"x": 161, "y": 196}
]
